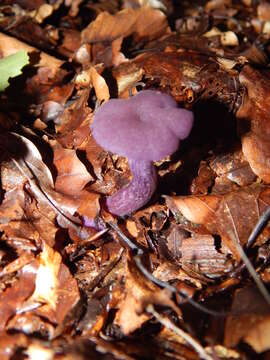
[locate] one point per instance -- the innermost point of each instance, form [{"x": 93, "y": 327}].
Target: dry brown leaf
[
  {"x": 12, "y": 299},
  {"x": 259, "y": 337},
  {"x": 73, "y": 116},
  {"x": 54, "y": 287},
  {"x": 24, "y": 259},
  {"x": 23, "y": 222},
  {"x": 144, "y": 23},
  {"x": 233, "y": 215},
  {"x": 10, "y": 45},
  {"x": 150, "y": 24},
  {"x": 72, "y": 175},
  {"x": 254, "y": 120},
  {"x": 117, "y": 56},
  {"x": 231, "y": 169},
  {"x": 100, "y": 86},
  {"x": 139, "y": 293},
  {"x": 88, "y": 204},
  {"x": 257, "y": 152},
  {"x": 203, "y": 181},
  {"x": 251, "y": 322},
  {"x": 90, "y": 77},
  {"x": 108, "y": 27},
  {"x": 46, "y": 204},
  {"x": 126, "y": 75},
  {"x": 96, "y": 155},
  {"x": 71, "y": 40},
  {"x": 198, "y": 209}
]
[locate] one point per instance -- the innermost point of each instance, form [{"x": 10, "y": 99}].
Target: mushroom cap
[{"x": 147, "y": 126}]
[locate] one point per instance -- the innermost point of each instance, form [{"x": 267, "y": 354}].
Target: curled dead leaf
[
  {"x": 100, "y": 86},
  {"x": 72, "y": 174},
  {"x": 144, "y": 22},
  {"x": 257, "y": 151},
  {"x": 254, "y": 120},
  {"x": 232, "y": 215}
]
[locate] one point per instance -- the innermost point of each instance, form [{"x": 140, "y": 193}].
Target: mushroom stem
[{"x": 138, "y": 192}]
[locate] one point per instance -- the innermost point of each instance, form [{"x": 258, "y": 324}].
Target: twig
[
  {"x": 170, "y": 325},
  {"x": 138, "y": 253},
  {"x": 262, "y": 222},
  {"x": 253, "y": 273},
  {"x": 248, "y": 263},
  {"x": 135, "y": 85}
]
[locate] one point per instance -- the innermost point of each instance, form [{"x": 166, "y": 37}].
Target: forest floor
[{"x": 186, "y": 275}]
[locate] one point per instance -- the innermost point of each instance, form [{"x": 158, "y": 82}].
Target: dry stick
[
  {"x": 254, "y": 274},
  {"x": 262, "y": 222},
  {"x": 248, "y": 263},
  {"x": 135, "y": 85},
  {"x": 138, "y": 253},
  {"x": 171, "y": 326}
]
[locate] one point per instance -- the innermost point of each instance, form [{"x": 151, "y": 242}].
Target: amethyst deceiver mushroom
[{"x": 145, "y": 128}]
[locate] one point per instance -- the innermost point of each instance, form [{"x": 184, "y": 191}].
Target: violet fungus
[{"x": 145, "y": 128}]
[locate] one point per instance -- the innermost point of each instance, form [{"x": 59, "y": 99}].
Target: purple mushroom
[{"x": 145, "y": 128}]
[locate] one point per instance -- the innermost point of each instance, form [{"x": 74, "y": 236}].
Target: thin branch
[
  {"x": 262, "y": 222},
  {"x": 138, "y": 253},
  {"x": 170, "y": 325},
  {"x": 253, "y": 273},
  {"x": 248, "y": 263}
]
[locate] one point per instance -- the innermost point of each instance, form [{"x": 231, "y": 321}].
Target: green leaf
[{"x": 10, "y": 66}]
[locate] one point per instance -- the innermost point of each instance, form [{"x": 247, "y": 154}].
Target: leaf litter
[{"x": 185, "y": 277}]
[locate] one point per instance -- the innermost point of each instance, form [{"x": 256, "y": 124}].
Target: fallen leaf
[
  {"x": 72, "y": 175},
  {"x": 10, "y": 45},
  {"x": 144, "y": 22},
  {"x": 100, "y": 86},
  {"x": 12, "y": 299},
  {"x": 258, "y": 337},
  {"x": 250, "y": 322},
  {"x": 254, "y": 121},
  {"x": 232, "y": 215},
  {"x": 139, "y": 293},
  {"x": 54, "y": 287}
]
